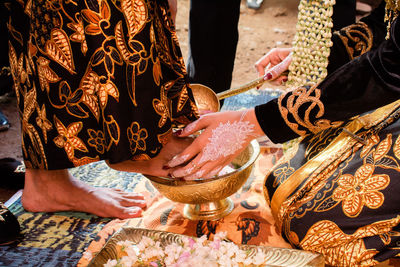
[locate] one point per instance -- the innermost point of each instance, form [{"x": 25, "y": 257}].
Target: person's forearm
[{"x": 367, "y": 82}]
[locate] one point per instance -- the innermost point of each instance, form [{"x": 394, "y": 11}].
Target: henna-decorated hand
[
  {"x": 224, "y": 136},
  {"x": 273, "y": 64}
]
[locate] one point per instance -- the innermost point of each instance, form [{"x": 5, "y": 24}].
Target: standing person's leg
[
  {"x": 59, "y": 191},
  {"x": 213, "y": 37},
  {"x": 85, "y": 94}
]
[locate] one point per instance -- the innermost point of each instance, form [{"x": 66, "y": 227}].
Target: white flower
[
  {"x": 127, "y": 261},
  {"x": 88, "y": 255},
  {"x": 259, "y": 258},
  {"x": 190, "y": 253},
  {"x": 111, "y": 263}
]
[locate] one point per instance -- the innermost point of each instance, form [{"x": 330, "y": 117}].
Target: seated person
[{"x": 337, "y": 194}]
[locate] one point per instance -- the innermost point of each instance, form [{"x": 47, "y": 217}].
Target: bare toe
[
  {"x": 132, "y": 212},
  {"x": 133, "y": 203}
]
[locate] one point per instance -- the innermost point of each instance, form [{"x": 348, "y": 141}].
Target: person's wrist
[{"x": 250, "y": 116}]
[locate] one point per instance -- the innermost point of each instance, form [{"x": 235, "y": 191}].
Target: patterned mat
[{"x": 59, "y": 239}]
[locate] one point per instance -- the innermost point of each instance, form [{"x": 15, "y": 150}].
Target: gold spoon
[{"x": 207, "y": 100}]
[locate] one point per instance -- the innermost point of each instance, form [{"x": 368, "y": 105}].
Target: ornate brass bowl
[
  {"x": 208, "y": 199},
  {"x": 274, "y": 256}
]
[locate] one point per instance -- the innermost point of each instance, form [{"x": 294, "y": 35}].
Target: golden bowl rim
[{"x": 180, "y": 182}]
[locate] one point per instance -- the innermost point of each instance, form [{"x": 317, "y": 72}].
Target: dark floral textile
[
  {"x": 96, "y": 79},
  {"x": 337, "y": 194}
]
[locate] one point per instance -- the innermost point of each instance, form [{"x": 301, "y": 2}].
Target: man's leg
[
  {"x": 50, "y": 191},
  {"x": 213, "y": 37}
]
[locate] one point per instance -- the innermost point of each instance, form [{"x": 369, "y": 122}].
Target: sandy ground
[{"x": 273, "y": 25}]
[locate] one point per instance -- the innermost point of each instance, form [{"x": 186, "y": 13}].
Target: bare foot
[
  {"x": 48, "y": 191},
  {"x": 155, "y": 166}
]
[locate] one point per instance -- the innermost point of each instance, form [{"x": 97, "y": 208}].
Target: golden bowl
[{"x": 208, "y": 199}]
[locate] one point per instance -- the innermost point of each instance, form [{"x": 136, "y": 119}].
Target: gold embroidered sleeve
[
  {"x": 356, "y": 38},
  {"x": 302, "y": 110}
]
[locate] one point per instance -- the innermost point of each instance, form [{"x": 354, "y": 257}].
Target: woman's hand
[
  {"x": 274, "y": 63},
  {"x": 225, "y": 135}
]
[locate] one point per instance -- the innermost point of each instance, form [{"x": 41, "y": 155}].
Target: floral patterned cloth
[
  {"x": 336, "y": 192},
  {"x": 96, "y": 79}
]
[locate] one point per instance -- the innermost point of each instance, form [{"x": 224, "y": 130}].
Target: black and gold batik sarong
[
  {"x": 337, "y": 192},
  {"x": 96, "y": 79}
]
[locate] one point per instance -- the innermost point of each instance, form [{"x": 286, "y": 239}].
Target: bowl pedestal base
[{"x": 210, "y": 211}]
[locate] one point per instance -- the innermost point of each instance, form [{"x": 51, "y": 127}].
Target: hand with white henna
[
  {"x": 274, "y": 63},
  {"x": 224, "y": 136}
]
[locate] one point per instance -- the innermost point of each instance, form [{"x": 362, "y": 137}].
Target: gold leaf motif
[
  {"x": 43, "y": 122},
  {"x": 120, "y": 41},
  {"x": 341, "y": 249},
  {"x": 373, "y": 199},
  {"x": 46, "y": 74},
  {"x": 183, "y": 98},
  {"x": 157, "y": 74},
  {"x": 371, "y": 141},
  {"x": 78, "y": 35},
  {"x": 383, "y": 148},
  {"x": 353, "y": 205},
  {"x": 396, "y": 148},
  {"x": 29, "y": 105},
  {"x": 164, "y": 137},
  {"x": 59, "y": 49},
  {"x": 113, "y": 131},
  {"x": 135, "y": 13},
  {"x": 162, "y": 109}
]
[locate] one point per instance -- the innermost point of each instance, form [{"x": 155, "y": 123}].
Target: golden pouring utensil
[{"x": 207, "y": 100}]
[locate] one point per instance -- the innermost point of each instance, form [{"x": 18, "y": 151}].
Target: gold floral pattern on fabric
[
  {"x": 360, "y": 190},
  {"x": 302, "y": 111},
  {"x": 281, "y": 174},
  {"x": 96, "y": 91},
  {"x": 162, "y": 108},
  {"x": 36, "y": 152},
  {"x": 43, "y": 122},
  {"x": 396, "y": 148},
  {"x": 319, "y": 141},
  {"x": 68, "y": 139},
  {"x": 345, "y": 206},
  {"x": 317, "y": 190},
  {"x": 46, "y": 74},
  {"x": 79, "y": 34},
  {"x": 86, "y": 71},
  {"x": 327, "y": 238},
  {"x": 357, "y": 39},
  {"x": 137, "y": 137},
  {"x": 372, "y": 141},
  {"x": 97, "y": 140}
]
